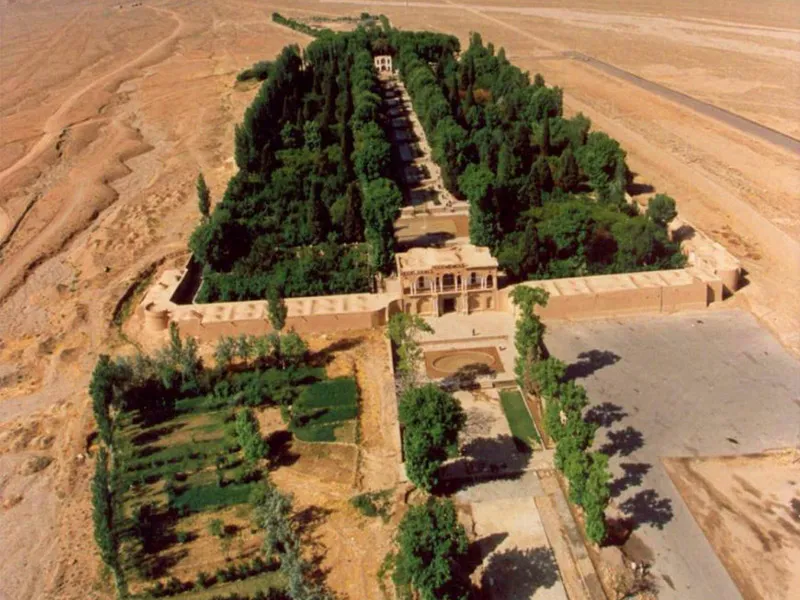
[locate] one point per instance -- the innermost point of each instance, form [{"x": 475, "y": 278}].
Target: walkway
[{"x": 432, "y": 216}]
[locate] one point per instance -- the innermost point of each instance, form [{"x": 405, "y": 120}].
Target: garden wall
[{"x": 209, "y": 322}]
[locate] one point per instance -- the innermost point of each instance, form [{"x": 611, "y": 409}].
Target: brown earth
[
  {"x": 108, "y": 112},
  {"x": 749, "y": 509}
]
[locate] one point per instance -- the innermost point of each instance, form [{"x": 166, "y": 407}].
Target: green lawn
[
  {"x": 323, "y": 408},
  {"x": 519, "y": 419},
  {"x": 204, "y": 497}
]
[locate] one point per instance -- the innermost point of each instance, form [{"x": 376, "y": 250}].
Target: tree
[
  {"x": 381, "y": 205},
  {"x": 293, "y": 350},
  {"x": 544, "y": 177},
  {"x": 224, "y": 352},
  {"x": 519, "y": 253},
  {"x": 477, "y": 184},
  {"x": 372, "y": 155},
  {"x": 549, "y": 374},
  {"x": 432, "y": 420},
  {"x": 596, "y": 495},
  {"x": 203, "y": 197},
  {"x": 403, "y": 330},
  {"x": 353, "y": 222},
  {"x": 545, "y": 141},
  {"x": 249, "y": 436},
  {"x": 599, "y": 157},
  {"x": 277, "y": 309},
  {"x": 101, "y": 389},
  {"x": 529, "y": 333},
  {"x": 319, "y": 219},
  {"x": 661, "y": 209},
  {"x": 570, "y": 172},
  {"x": 430, "y": 545},
  {"x": 637, "y": 241}
]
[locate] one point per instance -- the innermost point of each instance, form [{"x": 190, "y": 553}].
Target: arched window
[
  {"x": 448, "y": 281},
  {"x": 420, "y": 283},
  {"x": 473, "y": 278},
  {"x": 488, "y": 281}
]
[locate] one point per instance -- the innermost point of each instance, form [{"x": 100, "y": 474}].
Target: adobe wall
[
  {"x": 712, "y": 274},
  {"x": 619, "y": 295},
  {"x": 209, "y": 322}
]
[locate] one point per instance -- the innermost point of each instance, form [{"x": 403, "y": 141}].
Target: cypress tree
[
  {"x": 543, "y": 175},
  {"x": 203, "y": 196},
  {"x": 319, "y": 219},
  {"x": 570, "y": 172},
  {"x": 353, "y": 223},
  {"x": 546, "y": 136}
]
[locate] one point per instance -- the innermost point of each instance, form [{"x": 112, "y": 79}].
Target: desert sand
[
  {"x": 108, "y": 111},
  {"x": 749, "y": 508}
]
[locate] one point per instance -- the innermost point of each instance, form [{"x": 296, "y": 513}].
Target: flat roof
[{"x": 456, "y": 256}]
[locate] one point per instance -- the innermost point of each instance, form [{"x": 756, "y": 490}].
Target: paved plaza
[
  {"x": 517, "y": 561},
  {"x": 696, "y": 384}
]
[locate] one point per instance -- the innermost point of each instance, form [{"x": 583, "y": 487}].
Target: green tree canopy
[
  {"x": 430, "y": 545},
  {"x": 432, "y": 419},
  {"x": 661, "y": 209},
  {"x": 203, "y": 196}
]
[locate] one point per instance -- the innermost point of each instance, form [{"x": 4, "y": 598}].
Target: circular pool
[{"x": 458, "y": 359}]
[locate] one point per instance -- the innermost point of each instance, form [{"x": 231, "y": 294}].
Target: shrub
[
  {"x": 204, "y": 580},
  {"x": 372, "y": 504},
  {"x": 217, "y": 528}
]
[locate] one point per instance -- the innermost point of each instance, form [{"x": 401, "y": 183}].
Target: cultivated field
[{"x": 109, "y": 110}]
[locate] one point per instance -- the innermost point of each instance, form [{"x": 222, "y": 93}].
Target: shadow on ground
[
  {"x": 633, "y": 474},
  {"x": 516, "y": 573},
  {"x": 590, "y": 361},
  {"x": 623, "y": 442},
  {"x": 605, "y": 414},
  {"x": 648, "y": 508}
]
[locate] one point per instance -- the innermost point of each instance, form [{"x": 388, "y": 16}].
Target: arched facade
[
  {"x": 383, "y": 63},
  {"x": 436, "y": 281}
]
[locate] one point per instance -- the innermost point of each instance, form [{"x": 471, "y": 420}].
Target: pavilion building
[{"x": 459, "y": 278}]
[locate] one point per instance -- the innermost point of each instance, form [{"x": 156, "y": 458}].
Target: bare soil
[
  {"x": 749, "y": 509},
  {"x": 108, "y": 112}
]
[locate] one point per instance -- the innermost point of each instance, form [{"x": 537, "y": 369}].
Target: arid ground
[
  {"x": 749, "y": 508},
  {"x": 108, "y": 111}
]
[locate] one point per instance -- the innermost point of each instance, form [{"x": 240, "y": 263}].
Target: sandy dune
[{"x": 108, "y": 111}]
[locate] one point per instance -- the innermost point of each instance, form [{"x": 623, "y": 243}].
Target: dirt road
[{"x": 726, "y": 117}]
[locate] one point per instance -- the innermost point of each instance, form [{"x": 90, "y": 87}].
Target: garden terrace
[{"x": 188, "y": 460}]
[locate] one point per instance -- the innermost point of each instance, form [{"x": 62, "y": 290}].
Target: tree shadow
[
  {"x": 605, "y": 414},
  {"x": 152, "y": 435},
  {"x": 486, "y": 458},
  {"x": 308, "y": 519},
  {"x": 637, "y": 189},
  {"x": 648, "y": 508},
  {"x": 280, "y": 449},
  {"x": 683, "y": 233},
  {"x": 466, "y": 378},
  {"x": 324, "y": 357},
  {"x": 436, "y": 239},
  {"x": 590, "y": 361},
  {"x": 516, "y": 573},
  {"x": 480, "y": 549},
  {"x": 623, "y": 442},
  {"x": 633, "y": 475}
]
